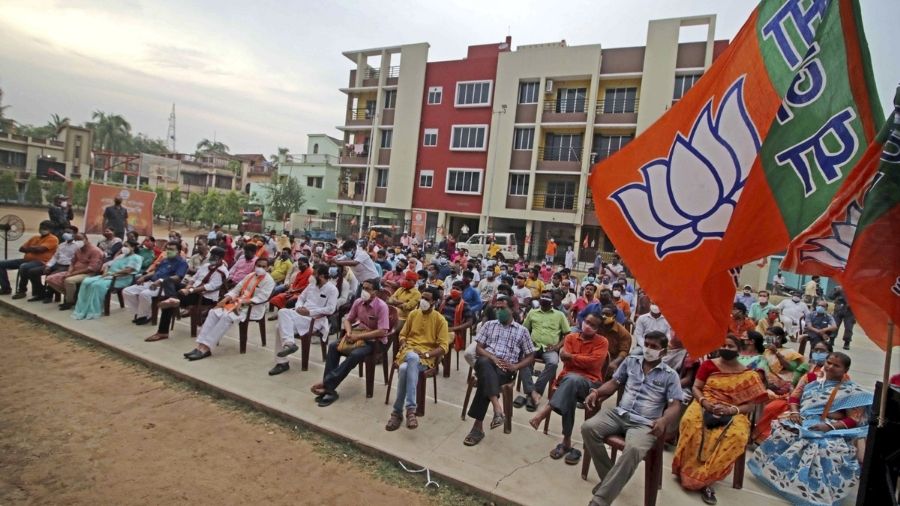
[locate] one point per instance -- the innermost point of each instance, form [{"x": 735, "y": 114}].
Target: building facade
[{"x": 22, "y": 155}]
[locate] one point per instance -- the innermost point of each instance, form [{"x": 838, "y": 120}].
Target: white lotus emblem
[
  {"x": 834, "y": 250},
  {"x": 689, "y": 196}
]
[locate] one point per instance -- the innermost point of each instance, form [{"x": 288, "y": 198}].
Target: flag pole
[{"x": 885, "y": 386}]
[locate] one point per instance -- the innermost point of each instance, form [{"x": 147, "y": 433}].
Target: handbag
[
  {"x": 712, "y": 420},
  {"x": 344, "y": 347}
]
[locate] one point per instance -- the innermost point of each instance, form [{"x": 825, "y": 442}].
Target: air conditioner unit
[{"x": 549, "y": 86}]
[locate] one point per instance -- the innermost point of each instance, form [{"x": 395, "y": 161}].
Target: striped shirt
[{"x": 507, "y": 342}]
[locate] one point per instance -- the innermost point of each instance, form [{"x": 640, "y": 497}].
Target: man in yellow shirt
[
  {"x": 406, "y": 298},
  {"x": 423, "y": 340},
  {"x": 534, "y": 283},
  {"x": 282, "y": 266}
]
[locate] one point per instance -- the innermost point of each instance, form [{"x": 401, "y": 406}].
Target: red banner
[
  {"x": 138, "y": 203},
  {"x": 417, "y": 227}
]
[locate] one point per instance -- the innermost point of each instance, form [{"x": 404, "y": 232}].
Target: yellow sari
[{"x": 701, "y": 460}]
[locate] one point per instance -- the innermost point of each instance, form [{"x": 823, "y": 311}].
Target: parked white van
[{"x": 478, "y": 244}]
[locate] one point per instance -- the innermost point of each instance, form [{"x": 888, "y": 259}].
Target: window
[
  {"x": 387, "y": 139},
  {"x": 469, "y": 137},
  {"x": 430, "y": 138},
  {"x": 571, "y": 99},
  {"x": 606, "y": 145},
  {"x": 14, "y": 159},
  {"x": 315, "y": 149},
  {"x": 315, "y": 182},
  {"x": 683, "y": 84},
  {"x": 464, "y": 181},
  {"x": 473, "y": 93},
  {"x": 523, "y": 139},
  {"x": 370, "y": 109},
  {"x": 560, "y": 195},
  {"x": 435, "y": 93},
  {"x": 528, "y": 93},
  {"x": 563, "y": 148},
  {"x": 619, "y": 100},
  {"x": 381, "y": 178},
  {"x": 518, "y": 185},
  {"x": 390, "y": 99},
  {"x": 426, "y": 179}
]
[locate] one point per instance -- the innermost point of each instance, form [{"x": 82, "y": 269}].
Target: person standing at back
[{"x": 116, "y": 218}]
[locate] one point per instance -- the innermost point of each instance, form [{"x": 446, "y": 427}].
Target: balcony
[
  {"x": 352, "y": 189},
  {"x": 554, "y": 202},
  {"x": 516, "y": 201},
  {"x": 354, "y": 154},
  {"x": 619, "y": 111},
  {"x": 560, "y": 158},
  {"x": 360, "y": 117},
  {"x": 371, "y": 75},
  {"x": 565, "y": 111}
]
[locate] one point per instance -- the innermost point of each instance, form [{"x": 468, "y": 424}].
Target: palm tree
[
  {"x": 6, "y": 124},
  {"x": 286, "y": 152},
  {"x": 57, "y": 122},
  {"x": 207, "y": 147},
  {"x": 111, "y": 132}
]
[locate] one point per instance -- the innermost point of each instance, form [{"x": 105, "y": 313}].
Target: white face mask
[
  {"x": 126, "y": 251},
  {"x": 652, "y": 355},
  {"x": 364, "y": 295},
  {"x": 616, "y": 294},
  {"x": 63, "y": 204},
  {"x": 424, "y": 305},
  {"x": 654, "y": 309},
  {"x": 79, "y": 244},
  {"x": 535, "y": 304},
  {"x": 260, "y": 271}
]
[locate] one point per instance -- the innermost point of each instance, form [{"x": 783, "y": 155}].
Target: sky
[{"x": 263, "y": 74}]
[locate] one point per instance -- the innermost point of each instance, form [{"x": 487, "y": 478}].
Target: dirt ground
[{"x": 79, "y": 425}]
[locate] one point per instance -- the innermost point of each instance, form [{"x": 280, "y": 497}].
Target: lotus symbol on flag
[
  {"x": 834, "y": 250},
  {"x": 689, "y": 196}
]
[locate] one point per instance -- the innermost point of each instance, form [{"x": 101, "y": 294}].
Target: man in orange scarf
[{"x": 300, "y": 282}]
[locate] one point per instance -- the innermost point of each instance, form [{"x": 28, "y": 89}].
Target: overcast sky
[{"x": 262, "y": 74}]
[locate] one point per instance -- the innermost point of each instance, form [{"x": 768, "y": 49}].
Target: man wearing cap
[
  {"x": 206, "y": 283},
  {"x": 116, "y": 217},
  {"x": 60, "y": 214},
  {"x": 650, "y": 322},
  {"x": 406, "y": 298},
  {"x": 746, "y": 296},
  {"x": 547, "y": 326}
]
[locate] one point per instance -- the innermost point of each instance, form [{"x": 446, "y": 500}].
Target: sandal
[
  {"x": 573, "y": 457},
  {"x": 709, "y": 495},
  {"x": 498, "y": 420},
  {"x": 519, "y": 402},
  {"x": 473, "y": 438},
  {"x": 530, "y": 405},
  {"x": 394, "y": 422},
  {"x": 411, "y": 421},
  {"x": 559, "y": 452}
]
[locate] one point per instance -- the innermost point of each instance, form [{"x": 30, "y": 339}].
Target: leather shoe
[
  {"x": 5, "y": 291},
  {"x": 197, "y": 355},
  {"x": 19, "y": 295},
  {"x": 278, "y": 369},
  {"x": 291, "y": 348},
  {"x": 190, "y": 352},
  {"x": 48, "y": 300},
  {"x": 65, "y": 306},
  {"x": 327, "y": 399},
  {"x": 36, "y": 298},
  {"x": 143, "y": 320}
]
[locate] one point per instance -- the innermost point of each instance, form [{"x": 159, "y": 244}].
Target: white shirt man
[
  {"x": 316, "y": 303},
  {"x": 654, "y": 320},
  {"x": 570, "y": 258},
  {"x": 359, "y": 262},
  {"x": 792, "y": 310},
  {"x": 65, "y": 252},
  {"x": 487, "y": 287}
]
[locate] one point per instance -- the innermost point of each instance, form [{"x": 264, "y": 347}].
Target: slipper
[
  {"x": 327, "y": 400},
  {"x": 573, "y": 457},
  {"x": 497, "y": 420},
  {"x": 559, "y": 452},
  {"x": 474, "y": 437},
  {"x": 519, "y": 402},
  {"x": 156, "y": 337},
  {"x": 530, "y": 405}
]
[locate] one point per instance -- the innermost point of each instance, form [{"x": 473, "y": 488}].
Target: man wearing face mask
[
  {"x": 591, "y": 278},
  {"x": 503, "y": 347},
  {"x": 820, "y": 326},
  {"x": 244, "y": 265},
  {"x": 282, "y": 266},
  {"x": 746, "y": 297},
  {"x": 116, "y": 217},
  {"x": 59, "y": 262},
  {"x": 358, "y": 260},
  {"x": 619, "y": 338},
  {"x": 148, "y": 252},
  {"x": 771, "y": 320},
  {"x": 110, "y": 244},
  {"x": 393, "y": 278},
  {"x": 547, "y": 326},
  {"x": 38, "y": 251},
  {"x": 651, "y": 402},
  {"x": 619, "y": 301},
  {"x": 139, "y": 297},
  {"x": 86, "y": 261},
  {"x": 761, "y": 307},
  {"x": 315, "y": 304},
  {"x": 60, "y": 215},
  {"x": 424, "y": 338},
  {"x": 652, "y": 321},
  {"x": 458, "y": 314},
  {"x": 406, "y": 298},
  {"x": 792, "y": 310},
  {"x": 206, "y": 284},
  {"x": 301, "y": 281},
  {"x": 246, "y": 300},
  {"x": 582, "y": 354},
  {"x": 199, "y": 258}
]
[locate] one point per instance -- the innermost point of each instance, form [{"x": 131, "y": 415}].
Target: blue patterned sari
[{"x": 813, "y": 468}]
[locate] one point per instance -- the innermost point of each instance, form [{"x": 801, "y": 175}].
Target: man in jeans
[
  {"x": 547, "y": 326},
  {"x": 502, "y": 347},
  {"x": 423, "y": 339},
  {"x": 652, "y": 402},
  {"x": 367, "y": 321}
]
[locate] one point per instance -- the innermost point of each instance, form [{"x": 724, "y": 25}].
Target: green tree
[
  {"x": 6, "y": 123},
  {"x": 176, "y": 205},
  {"x": 232, "y": 204},
  {"x": 274, "y": 158},
  {"x": 212, "y": 208},
  {"x": 161, "y": 204},
  {"x": 57, "y": 122},
  {"x": 80, "y": 192},
  {"x": 142, "y": 143},
  {"x": 235, "y": 167},
  {"x": 193, "y": 208},
  {"x": 284, "y": 197},
  {"x": 8, "y": 189},
  {"x": 34, "y": 194},
  {"x": 41, "y": 132},
  {"x": 207, "y": 147},
  {"x": 111, "y": 132}
]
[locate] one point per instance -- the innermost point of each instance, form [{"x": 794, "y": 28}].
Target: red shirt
[{"x": 588, "y": 355}]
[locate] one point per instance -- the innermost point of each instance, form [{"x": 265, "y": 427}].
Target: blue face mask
[
  {"x": 820, "y": 309},
  {"x": 332, "y": 272},
  {"x": 819, "y": 357},
  {"x": 67, "y": 237}
]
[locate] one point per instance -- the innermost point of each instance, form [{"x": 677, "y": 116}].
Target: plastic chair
[{"x": 506, "y": 397}]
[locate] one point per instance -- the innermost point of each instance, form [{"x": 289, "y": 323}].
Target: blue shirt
[
  {"x": 176, "y": 266},
  {"x": 472, "y": 298},
  {"x": 747, "y": 300},
  {"x": 646, "y": 397},
  {"x": 596, "y": 307}
]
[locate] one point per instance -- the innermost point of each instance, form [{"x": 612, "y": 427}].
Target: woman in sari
[
  {"x": 715, "y": 428},
  {"x": 751, "y": 354},
  {"x": 811, "y": 459},
  {"x": 93, "y": 289}
]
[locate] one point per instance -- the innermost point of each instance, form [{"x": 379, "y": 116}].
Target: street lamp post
[
  {"x": 362, "y": 213},
  {"x": 493, "y": 167}
]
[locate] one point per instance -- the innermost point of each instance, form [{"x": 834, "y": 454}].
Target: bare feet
[{"x": 538, "y": 418}]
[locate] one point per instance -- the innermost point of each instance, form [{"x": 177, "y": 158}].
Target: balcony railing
[
  {"x": 560, "y": 153},
  {"x": 373, "y": 73},
  {"x": 566, "y": 105},
  {"x": 618, "y": 106},
  {"x": 563, "y": 202},
  {"x": 352, "y": 190},
  {"x": 362, "y": 114}
]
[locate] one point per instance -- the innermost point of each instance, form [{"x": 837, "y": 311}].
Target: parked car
[
  {"x": 320, "y": 235},
  {"x": 478, "y": 244}
]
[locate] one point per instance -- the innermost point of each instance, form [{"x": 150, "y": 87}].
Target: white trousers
[
  {"x": 217, "y": 323},
  {"x": 290, "y": 323},
  {"x": 139, "y": 298}
]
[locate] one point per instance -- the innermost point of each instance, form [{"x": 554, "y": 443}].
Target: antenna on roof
[{"x": 170, "y": 136}]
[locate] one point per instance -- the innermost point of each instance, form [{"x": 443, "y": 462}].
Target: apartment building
[{"x": 69, "y": 152}]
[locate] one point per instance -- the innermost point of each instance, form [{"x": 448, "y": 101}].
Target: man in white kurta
[
  {"x": 248, "y": 299},
  {"x": 316, "y": 303}
]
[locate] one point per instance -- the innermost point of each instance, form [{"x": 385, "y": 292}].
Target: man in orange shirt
[
  {"x": 38, "y": 251},
  {"x": 550, "y": 253}
]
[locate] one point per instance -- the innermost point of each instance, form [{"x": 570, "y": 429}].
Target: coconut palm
[
  {"x": 57, "y": 121},
  {"x": 207, "y": 147},
  {"x": 286, "y": 152},
  {"x": 111, "y": 132}
]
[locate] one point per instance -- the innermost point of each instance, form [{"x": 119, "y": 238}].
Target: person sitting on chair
[
  {"x": 423, "y": 339},
  {"x": 651, "y": 402},
  {"x": 246, "y": 301},
  {"x": 139, "y": 297},
  {"x": 206, "y": 283},
  {"x": 368, "y": 320},
  {"x": 503, "y": 347},
  {"x": 87, "y": 261},
  {"x": 38, "y": 251},
  {"x": 582, "y": 354},
  {"x": 315, "y": 304},
  {"x": 547, "y": 326},
  {"x": 288, "y": 299}
]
